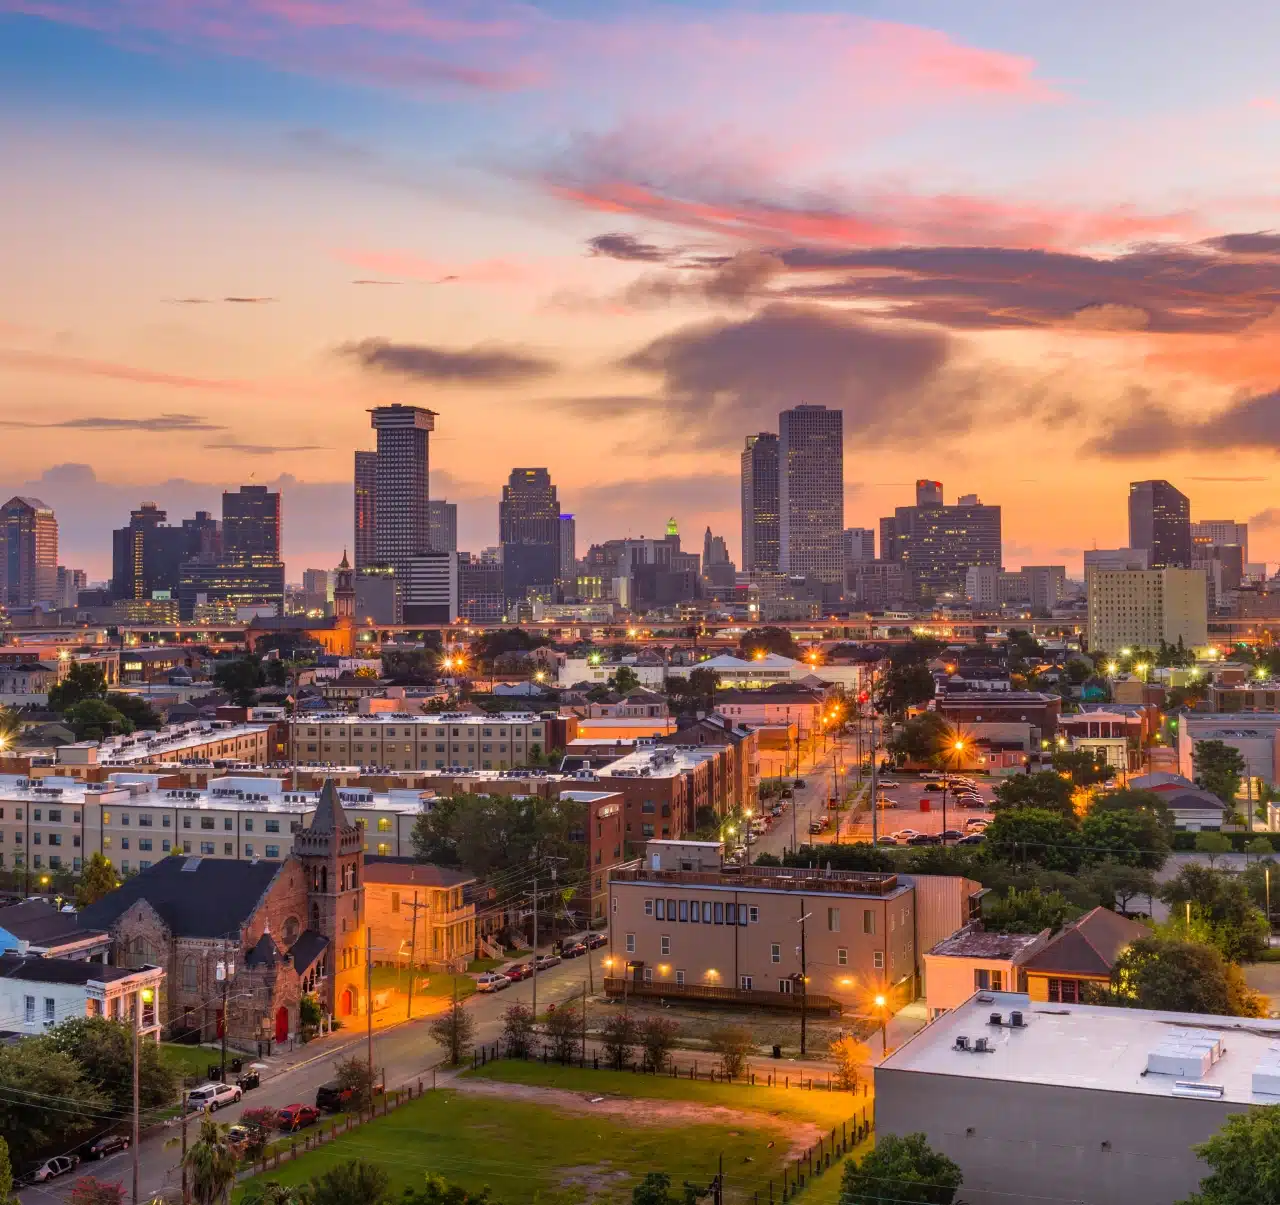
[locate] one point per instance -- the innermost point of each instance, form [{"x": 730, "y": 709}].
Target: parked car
[
  {"x": 887, "y": 786},
  {"x": 800, "y": 784},
  {"x": 293, "y": 1117},
  {"x": 491, "y": 982},
  {"x": 886, "y": 841},
  {"x": 248, "y": 1079},
  {"x": 972, "y": 839},
  {"x": 237, "y": 1137},
  {"x": 924, "y": 839},
  {"x": 547, "y": 961},
  {"x": 106, "y": 1144},
  {"x": 970, "y": 801},
  {"x": 903, "y": 833},
  {"x": 575, "y": 949},
  {"x": 950, "y": 834},
  {"x": 815, "y": 828},
  {"x": 59, "y": 1165},
  {"x": 521, "y": 970},
  {"x": 976, "y": 823},
  {"x": 212, "y": 1097},
  {"x": 333, "y": 1097},
  {"x": 884, "y": 782},
  {"x": 596, "y": 940},
  {"x": 887, "y": 803},
  {"x": 933, "y": 786},
  {"x": 931, "y": 774}
]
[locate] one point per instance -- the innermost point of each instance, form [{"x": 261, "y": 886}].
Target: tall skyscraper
[
  {"x": 251, "y": 526},
  {"x": 28, "y": 553},
  {"x": 568, "y": 553},
  {"x": 529, "y": 528},
  {"x": 1221, "y": 532},
  {"x": 928, "y": 493},
  {"x": 402, "y": 515},
  {"x": 859, "y": 545},
  {"x": 811, "y": 492},
  {"x": 70, "y": 583},
  {"x": 247, "y": 573},
  {"x": 939, "y": 543},
  {"x": 1160, "y": 522},
  {"x": 147, "y": 556},
  {"x": 444, "y": 526},
  {"x": 366, "y": 517},
  {"x": 760, "y": 504}
]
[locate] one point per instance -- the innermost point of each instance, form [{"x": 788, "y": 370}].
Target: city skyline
[{"x": 612, "y": 292}]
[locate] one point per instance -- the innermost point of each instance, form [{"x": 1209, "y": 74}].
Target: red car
[
  {"x": 293, "y": 1117},
  {"x": 522, "y": 970}
]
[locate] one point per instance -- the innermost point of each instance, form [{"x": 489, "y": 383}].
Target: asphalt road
[{"x": 406, "y": 1052}]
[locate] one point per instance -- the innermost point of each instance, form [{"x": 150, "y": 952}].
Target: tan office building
[{"x": 1139, "y": 608}]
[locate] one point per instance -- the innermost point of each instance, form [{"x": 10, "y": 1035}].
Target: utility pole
[
  {"x": 368, "y": 1001},
  {"x": 137, "y": 1057},
  {"x": 535, "y": 946},
  {"x": 875, "y": 800},
  {"x": 413, "y": 954},
  {"x": 226, "y": 1019},
  {"x": 584, "y": 1015},
  {"x": 804, "y": 985},
  {"x": 186, "y": 1193}
]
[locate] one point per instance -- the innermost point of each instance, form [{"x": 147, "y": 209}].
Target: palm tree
[
  {"x": 211, "y": 1165},
  {"x": 275, "y": 1193}
]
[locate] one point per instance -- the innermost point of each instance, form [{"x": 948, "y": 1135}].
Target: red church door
[{"x": 282, "y": 1024}]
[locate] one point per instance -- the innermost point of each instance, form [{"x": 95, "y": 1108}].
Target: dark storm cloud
[
  {"x": 250, "y": 300},
  {"x": 626, "y": 247},
  {"x": 157, "y": 423},
  {"x": 1260, "y": 242},
  {"x": 720, "y": 378},
  {"x": 486, "y": 365},
  {"x": 1251, "y": 423}
]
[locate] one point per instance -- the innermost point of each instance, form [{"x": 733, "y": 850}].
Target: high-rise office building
[
  {"x": 529, "y": 528},
  {"x": 760, "y": 504},
  {"x": 859, "y": 545},
  {"x": 444, "y": 526},
  {"x": 1216, "y": 532},
  {"x": 939, "y": 543},
  {"x": 1046, "y": 586},
  {"x": 147, "y": 556},
  {"x": 1139, "y": 608},
  {"x": 811, "y": 492},
  {"x": 248, "y": 573},
  {"x": 481, "y": 594},
  {"x": 568, "y": 552},
  {"x": 431, "y": 589},
  {"x": 251, "y": 526},
  {"x": 70, "y": 583},
  {"x": 402, "y": 515},
  {"x": 928, "y": 493},
  {"x": 366, "y": 516},
  {"x": 28, "y": 553},
  {"x": 1160, "y": 522}
]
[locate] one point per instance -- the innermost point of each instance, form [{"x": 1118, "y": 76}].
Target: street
[{"x": 405, "y": 1054}]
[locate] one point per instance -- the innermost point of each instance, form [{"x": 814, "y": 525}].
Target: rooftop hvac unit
[
  {"x": 962, "y": 1042},
  {"x": 981, "y": 1046},
  {"x": 1016, "y": 1020},
  {"x": 995, "y": 1019}
]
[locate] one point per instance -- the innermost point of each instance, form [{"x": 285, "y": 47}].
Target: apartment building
[
  {"x": 452, "y": 740},
  {"x": 1140, "y": 608},
  {"x": 754, "y": 932},
  {"x": 198, "y": 740},
  {"x": 664, "y": 787},
  {"x": 416, "y": 913},
  {"x": 136, "y": 819}
]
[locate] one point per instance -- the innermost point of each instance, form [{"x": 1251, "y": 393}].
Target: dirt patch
[
  {"x": 638, "y": 1110},
  {"x": 596, "y": 1179}
]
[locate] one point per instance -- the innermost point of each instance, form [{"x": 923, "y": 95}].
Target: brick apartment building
[{"x": 416, "y": 913}]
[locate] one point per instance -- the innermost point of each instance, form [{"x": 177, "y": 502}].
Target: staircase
[{"x": 489, "y": 949}]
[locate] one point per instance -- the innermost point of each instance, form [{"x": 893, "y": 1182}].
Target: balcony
[{"x": 456, "y": 917}]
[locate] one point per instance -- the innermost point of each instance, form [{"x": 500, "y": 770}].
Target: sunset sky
[{"x": 1028, "y": 248}]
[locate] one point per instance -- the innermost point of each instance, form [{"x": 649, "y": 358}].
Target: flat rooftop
[
  {"x": 445, "y": 719},
  {"x": 148, "y": 746},
  {"x": 977, "y": 943},
  {"x": 658, "y": 761},
  {"x": 769, "y": 878},
  {"x": 1091, "y": 1046}
]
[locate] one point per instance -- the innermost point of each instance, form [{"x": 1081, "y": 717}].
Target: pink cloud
[
  {"x": 60, "y": 365},
  {"x": 435, "y": 271}
]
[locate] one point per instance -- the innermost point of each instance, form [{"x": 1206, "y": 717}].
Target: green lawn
[
  {"x": 527, "y": 1151},
  {"x": 194, "y": 1060},
  {"x": 477, "y": 966},
  {"x": 825, "y": 1109}
]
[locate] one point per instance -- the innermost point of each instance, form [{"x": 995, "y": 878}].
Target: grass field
[
  {"x": 193, "y": 1060},
  {"x": 529, "y": 1151},
  {"x": 826, "y": 1110},
  {"x": 426, "y": 984}
]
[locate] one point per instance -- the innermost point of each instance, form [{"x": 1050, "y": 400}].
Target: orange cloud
[
  {"x": 435, "y": 271},
  {"x": 60, "y": 365}
]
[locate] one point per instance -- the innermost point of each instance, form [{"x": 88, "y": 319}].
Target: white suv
[{"x": 212, "y": 1097}]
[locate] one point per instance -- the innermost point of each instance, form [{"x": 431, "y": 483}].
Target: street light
[{"x": 881, "y": 1008}]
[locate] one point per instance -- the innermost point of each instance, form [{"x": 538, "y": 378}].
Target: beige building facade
[{"x": 1139, "y": 608}]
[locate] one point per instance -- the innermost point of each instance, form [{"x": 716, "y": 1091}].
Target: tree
[
  {"x": 904, "y": 686},
  {"x": 657, "y": 1039},
  {"x": 1221, "y": 903},
  {"x": 136, "y": 710},
  {"x": 922, "y": 738},
  {"x": 275, "y": 1193},
  {"x": 98, "y": 878},
  {"x": 89, "y": 1190},
  {"x": 517, "y": 1031},
  {"x": 6, "y": 1174},
  {"x": 625, "y": 679},
  {"x": 261, "y": 1125},
  {"x": 96, "y": 719},
  {"x": 1128, "y": 799},
  {"x": 240, "y": 677},
  {"x": 1049, "y": 839},
  {"x": 1027, "y": 911},
  {"x": 861, "y": 855},
  {"x": 619, "y": 1035},
  {"x": 1115, "y": 882},
  {"x": 354, "y": 1182},
  {"x": 454, "y": 1030},
  {"x": 1213, "y": 845},
  {"x": 850, "y": 1057},
  {"x": 769, "y": 640},
  {"x": 732, "y": 1043},
  {"x": 1131, "y": 838},
  {"x": 564, "y": 1028},
  {"x": 37, "y": 1082},
  {"x": 901, "y": 1170},
  {"x": 355, "y": 1076},
  {"x": 103, "y": 1050},
  {"x": 1260, "y": 847},
  {"x": 211, "y": 1164},
  {"x": 82, "y": 681},
  {"x": 703, "y": 684},
  {"x": 1219, "y": 767},
  {"x": 439, "y": 1191},
  {"x": 1045, "y": 790},
  {"x": 1170, "y": 975},
  {"x": 1245, "y": 1159},
  {"x": 1085, "y": 769},
  {"x": 10, "y": 727}
]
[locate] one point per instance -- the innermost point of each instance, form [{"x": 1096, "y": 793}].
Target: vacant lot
[{"x": 567, "y": 1137}]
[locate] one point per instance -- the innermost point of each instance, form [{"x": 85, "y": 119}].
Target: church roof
[
  {"x": 265, "y": 954},
  {"x": 310, "y": 945},
  {"x": 329, "y": 816}
]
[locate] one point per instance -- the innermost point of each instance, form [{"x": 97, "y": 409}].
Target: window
[
  {"x": 661, "y": 912},
  {"x": 842, "y": 956},
  {"x": 273, "y": 826},
  {"x": 719, "y": 913},
  {"x": 144, "y": 842},
  {"x": 164, "y": 845},
  {"x": 877, "y": 960},
  {"x": 754, "y": 913},
  {"x": 145, "y": 819},
  {"x": 631, "y": 943},
  {"x": 30, "y": 1013},
  {"x": 679, "y": 978},
  {"x": 226, "y": 823},
  {"x": 648, "y": 974},
  {"x": 248, "y": 824},
  {"x": 186, "y": 847},
  {"x": 186, "y": 822},
  {"x": 164, "y": 820},
  {"x": 384, "y": 824},
  {"x": 613, "y": 904},
  {"x": 206, "y": 822},
  {"x": 124, "y": 816},
  {"x": 833, "y": 920},
  {"x": 75, "y": 840},
  {"x": 124, "y": 841},
  {"x": 143, "y": 865},
  {"x": 648, "y": 908},
  {"x": 1063, "y": 991},
  {"x": 227, "y": 848},
  {"x": 742, "y": 914},
  {"x": 55, "y": 815},
  {"x": 868, "y": 921},
  {"x": 646, "y": 830},
  {"x": 775, "y": 952},
  {"x": 664, "y": 944},
  {"x": 744, "y": 982},
  {"x": 273, "y": 851},
  {"x": 785, "y": 986},
  {"x": 985, "y": 980},
  {"x": 671, "y": 910},
  {"x": 684, "y": 910},
  {"x": 55, "y": 838},
  {"x": 206, "y": 848},
  {"x": 190, "y": 971},
  {"x": 384, "y": 849},
  {"x": 50, "y": 1009}
]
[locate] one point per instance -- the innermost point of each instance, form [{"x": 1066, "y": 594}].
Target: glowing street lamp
[{"x": 1112, "y": 668}]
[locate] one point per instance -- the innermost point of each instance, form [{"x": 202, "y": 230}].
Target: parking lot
[{"x": 916, "y": 806}]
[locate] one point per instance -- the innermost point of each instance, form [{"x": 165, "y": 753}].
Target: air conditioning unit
[{"x": 962, "y": 1042}]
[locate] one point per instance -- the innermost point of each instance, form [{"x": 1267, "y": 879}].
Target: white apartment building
[
  {"x": 1137, "y": 608},
  {"x": 199, "y": 740},
  {"x": 391, "y": 741},
  {"x": 39, "y": 993}
]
